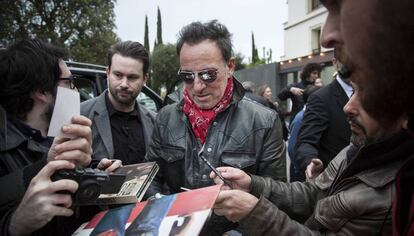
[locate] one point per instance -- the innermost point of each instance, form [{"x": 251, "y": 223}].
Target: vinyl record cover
[{"x": 178, "y": 214}]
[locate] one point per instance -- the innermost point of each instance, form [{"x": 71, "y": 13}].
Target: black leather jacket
[
  {"x": 21, "y": 158},
  {"x": 245, "y": 135}
]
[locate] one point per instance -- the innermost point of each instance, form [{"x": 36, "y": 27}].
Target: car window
[
  {"x": 146, "y": 101},
  {"x": 86, "y": 88}
]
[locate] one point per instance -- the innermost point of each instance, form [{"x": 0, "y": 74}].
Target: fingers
[
  {"x": 80, "y": 131},
  {"x": 104, "y": 163},
  {"x": 56, "y": 210},
  {"x": 109, "y": 165},
  {"x": 78, "y": 151},
  {"x": 64, "y": 200},
  {"x": 63, "y": 185},
  {"x": 81, "y": 120},
  {"x": 48, "y": 170},
  {"x": 230, "y": 172}
]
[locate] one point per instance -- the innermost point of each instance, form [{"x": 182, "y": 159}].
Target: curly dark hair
[
  {"x": 308, "y": 69},
  {"x": 196, "y": 32},
  {"x": 27, "y": 66}
]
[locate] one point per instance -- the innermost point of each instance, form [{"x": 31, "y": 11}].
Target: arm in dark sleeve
[
  {"x": 315, "y": 122},
  {"x": 154, "y": 154},
  {"x": 14, "y": 186},
  {"x": 282, "y": 207},
  {"x": 273, "y": 160},
  {"x": 296, "y": 199},
  {"x": 285, "y": 93}
]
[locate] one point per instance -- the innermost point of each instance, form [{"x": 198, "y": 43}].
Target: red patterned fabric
[{"x": 201, "y": 119}]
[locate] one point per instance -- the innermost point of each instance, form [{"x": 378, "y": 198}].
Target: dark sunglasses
[
  {"x": 207, "y": 75},
  {"x": 72, "y": 81}
]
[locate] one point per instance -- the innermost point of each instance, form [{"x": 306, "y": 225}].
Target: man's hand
[
  {"x": 296, "y": 91},
  {"x": 43, "y": 201},
  {"x": 234, "y": 204},
  {"x": 109, "y": 165},
  {"x": 313, "y": 169},
  {"x": 238, "y": 178},
  {"x": 77, "y": 150}
]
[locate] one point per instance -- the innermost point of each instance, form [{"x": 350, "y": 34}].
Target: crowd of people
[{"x": 350, "y": 141}]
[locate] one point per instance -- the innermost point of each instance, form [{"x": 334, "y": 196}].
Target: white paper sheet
[{"x": 66, "y": 106}]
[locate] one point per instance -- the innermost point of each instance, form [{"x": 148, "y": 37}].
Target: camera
[{"x": 92, "y": 183}]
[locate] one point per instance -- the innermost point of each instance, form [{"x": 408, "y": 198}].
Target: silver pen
[{"x": 200, "y": 154}]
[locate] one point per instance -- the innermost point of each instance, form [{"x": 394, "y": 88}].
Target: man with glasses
[
  {"x": 213, "y": 120},
  {"x": 121, "y": 128},
  {"x": 30, "y": 203}
]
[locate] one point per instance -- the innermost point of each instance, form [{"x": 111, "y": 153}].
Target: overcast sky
[{"x": 264, "y": 18}]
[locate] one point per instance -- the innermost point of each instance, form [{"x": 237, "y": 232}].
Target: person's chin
[
  {"x": 358, "y": 140},
  {"x": 203, "y": 105}
]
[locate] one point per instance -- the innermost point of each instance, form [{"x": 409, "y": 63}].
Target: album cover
[
  {"x": 178, "y": 214},
  {"x": 138, "y": 179}
]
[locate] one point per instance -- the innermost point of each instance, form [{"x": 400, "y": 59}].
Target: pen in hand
[{"x": 200, "y": 154}]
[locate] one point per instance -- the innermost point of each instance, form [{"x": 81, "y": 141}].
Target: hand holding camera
[
  {"x": 92, "y": 183},
  {"x": 43, "y": 200}
]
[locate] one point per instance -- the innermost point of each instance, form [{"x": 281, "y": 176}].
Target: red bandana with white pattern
[{"x": 201, "y": 119}]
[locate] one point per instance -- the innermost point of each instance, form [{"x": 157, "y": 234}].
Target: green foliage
[
  {"x": 146, "y": 38},
  {"x": 85, "y": 27},
  {"x": 165, "y": 64},
  {"x": 239, "y": 61},
  {"x": 159, "y": 28}
]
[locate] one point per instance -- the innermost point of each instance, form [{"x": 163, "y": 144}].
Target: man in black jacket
[
  {"x": 31, "y": 203},
  {"x": 213, "y": 119},
  {"x": 325, "y": 129},
  {"x": 295, "y": 91}
]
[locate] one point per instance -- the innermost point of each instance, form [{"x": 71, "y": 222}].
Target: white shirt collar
[{"x": 346, "y": 87}]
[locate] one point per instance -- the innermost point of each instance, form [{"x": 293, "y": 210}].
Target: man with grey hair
[{"x": 213, "y": 120}]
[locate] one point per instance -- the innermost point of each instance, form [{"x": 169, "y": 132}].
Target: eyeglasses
[
  {"x": 207, "y": 75},
  {"x": 72, "y": 81}
]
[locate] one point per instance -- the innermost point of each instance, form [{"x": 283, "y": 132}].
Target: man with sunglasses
[
  {"x": 121, "y": 128},
  {"x": 213, "y": 120}
]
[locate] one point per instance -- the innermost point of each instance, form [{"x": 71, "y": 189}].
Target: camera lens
[{"x": 88, "y": 191}]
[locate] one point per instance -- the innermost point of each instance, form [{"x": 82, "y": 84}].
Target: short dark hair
[
  {"x": 27, "y": 66},
  {"x": 308, "y": 69},
  {"x": 131, "y": 49},
  {"x": 196, "y": 32}
]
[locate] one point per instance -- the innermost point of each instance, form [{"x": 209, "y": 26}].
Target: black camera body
[{"x": 92, "y": 182}]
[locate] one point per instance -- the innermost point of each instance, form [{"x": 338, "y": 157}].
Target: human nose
[
  {"x": 198, "y": 84},
  {"x": 124, "y": 82},
  {"x": 331, "y": 33},
  {"x": 350, "y": 107}
]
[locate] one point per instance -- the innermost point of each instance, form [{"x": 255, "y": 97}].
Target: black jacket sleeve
[{"x": 315, "y": 121}]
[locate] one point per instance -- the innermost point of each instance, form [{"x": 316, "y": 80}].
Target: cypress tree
[
  {"x": 159, "y": 27},
  {"x": 255, "y": 54},
  {"x": 146, "y": 39}
]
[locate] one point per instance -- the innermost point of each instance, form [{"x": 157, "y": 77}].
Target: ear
[
  {"x": 231, "y": 64},
  {"x": 146, "y": 77},
  {"x": 40, "y": 95}
]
